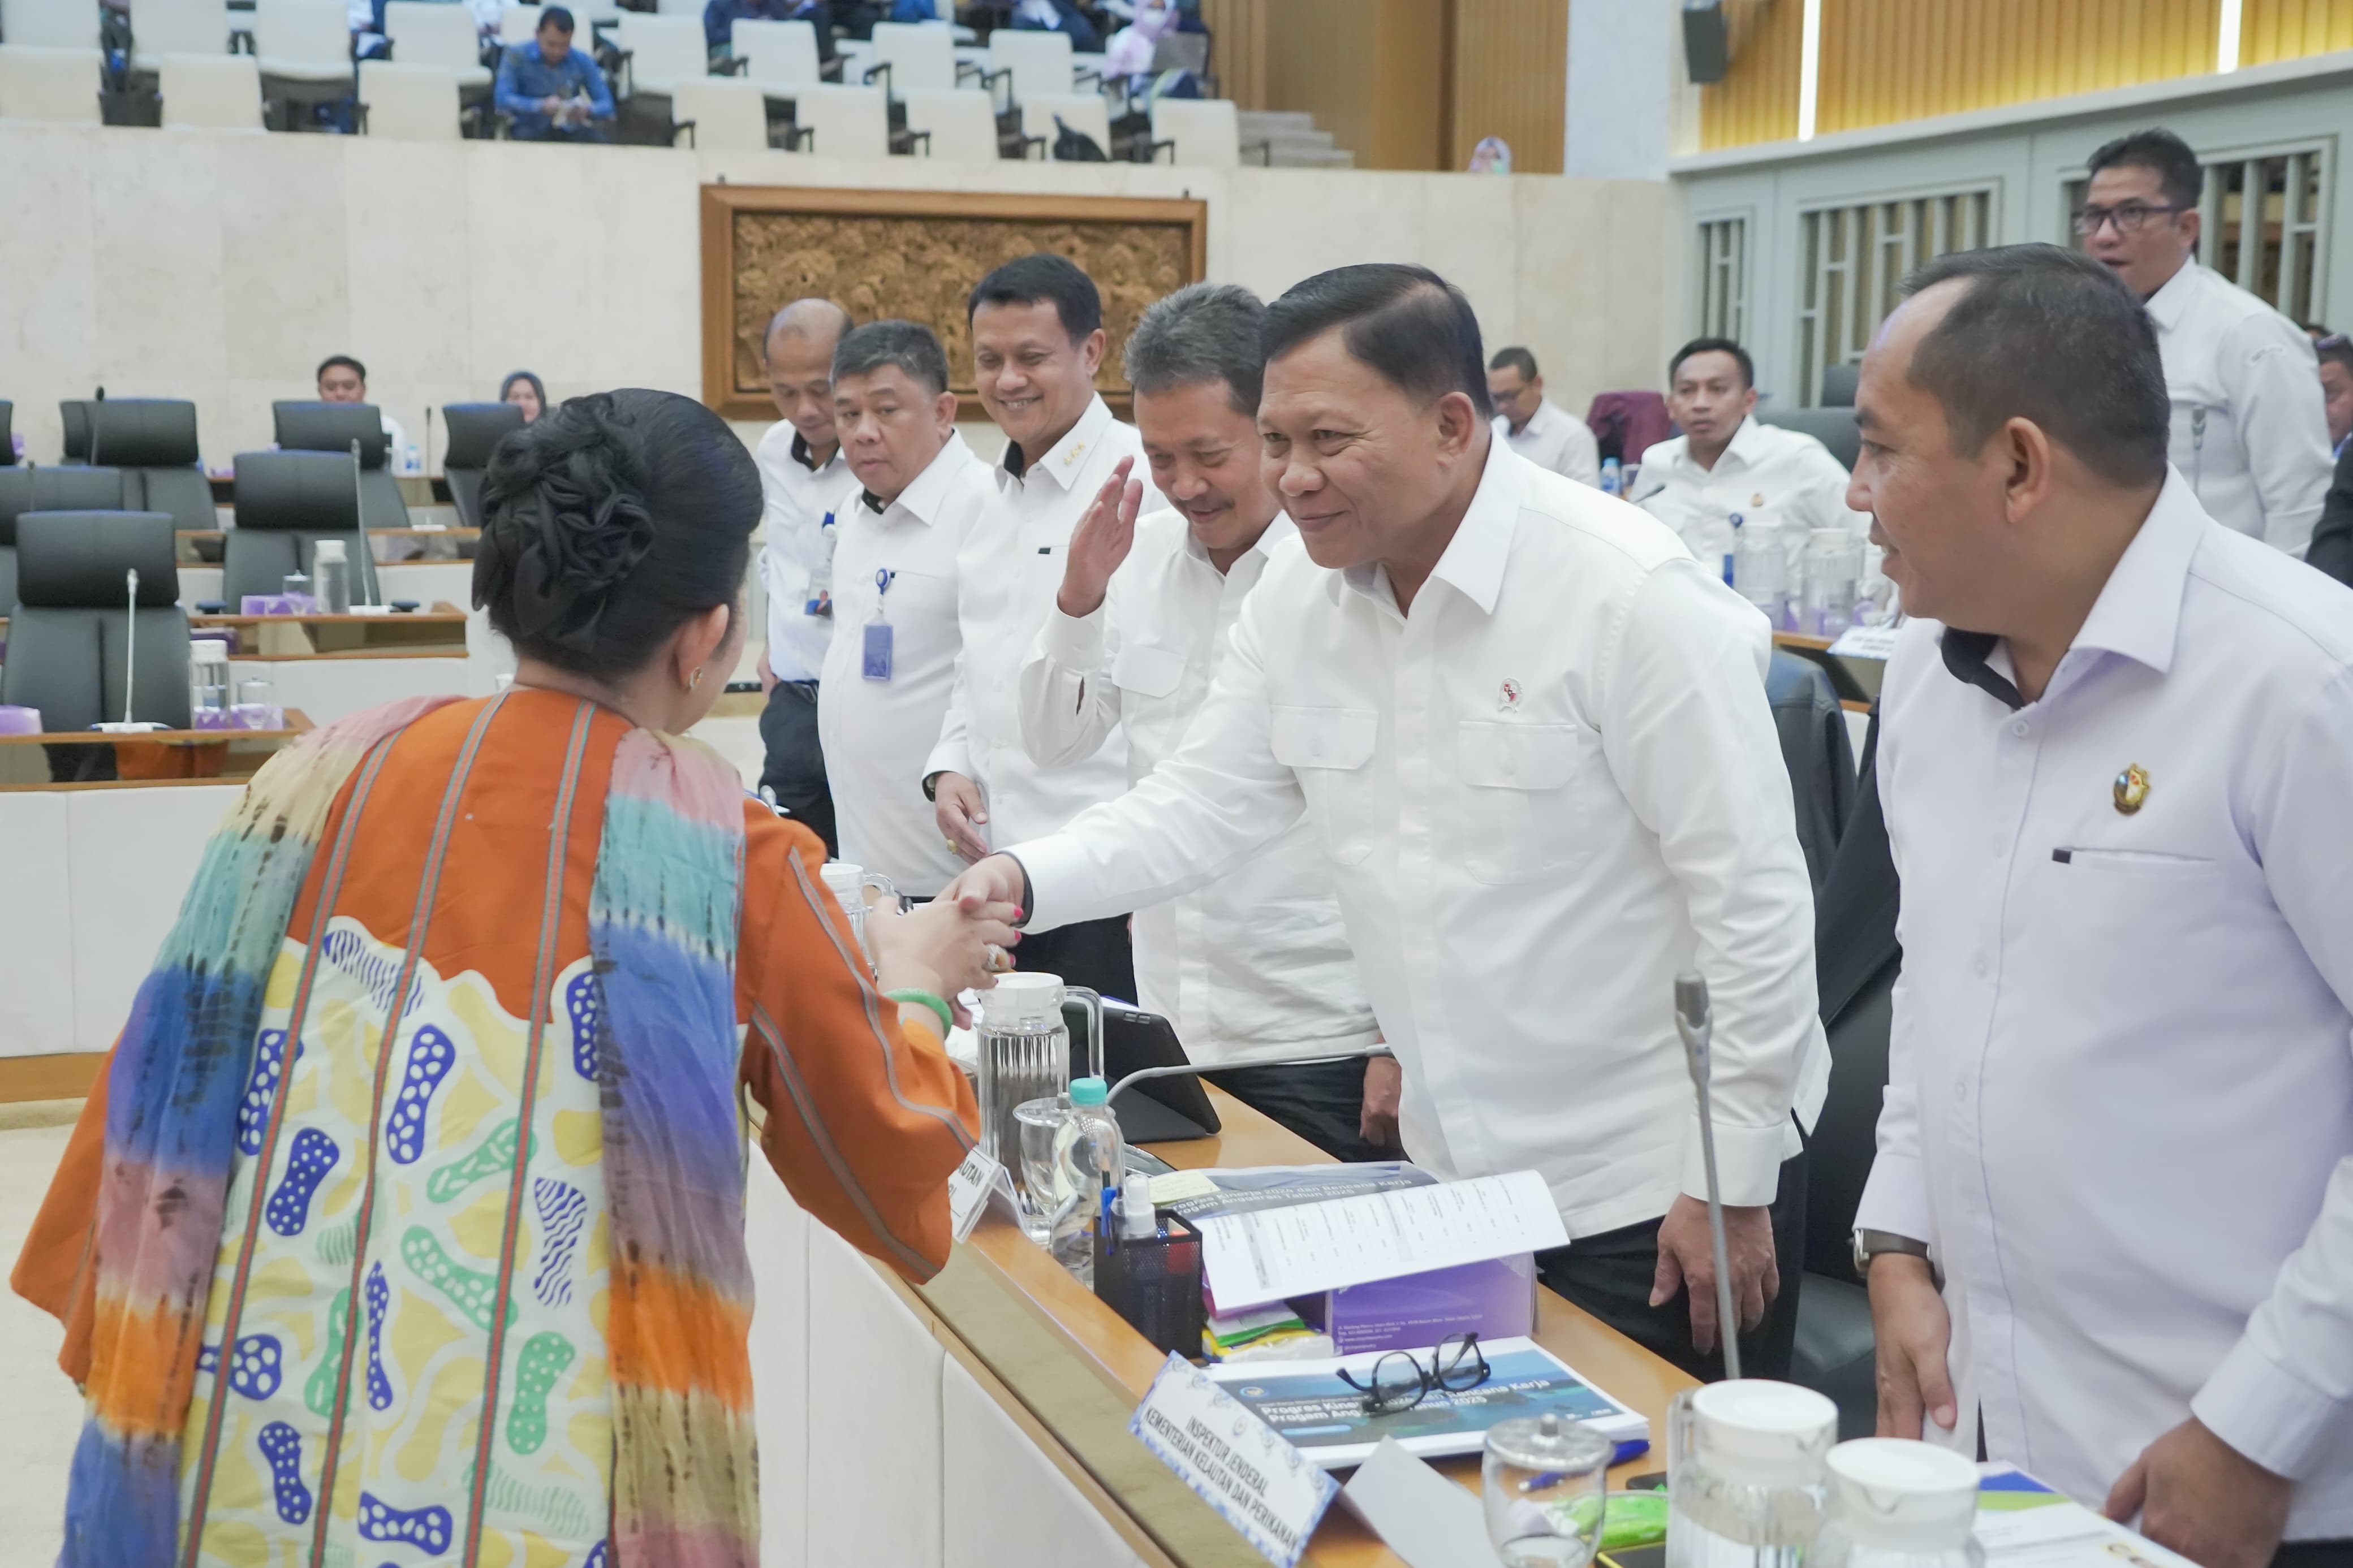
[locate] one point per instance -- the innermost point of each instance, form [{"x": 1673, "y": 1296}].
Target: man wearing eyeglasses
[{"x": 2248, "y": 432}]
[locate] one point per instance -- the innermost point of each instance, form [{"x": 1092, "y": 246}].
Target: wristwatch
[
  {"x": 1870, "y": 1244},
  {"x": 931, "y": 786}
]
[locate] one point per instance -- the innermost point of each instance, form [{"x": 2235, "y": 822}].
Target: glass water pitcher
[{"x": 1024, "y": 1052}]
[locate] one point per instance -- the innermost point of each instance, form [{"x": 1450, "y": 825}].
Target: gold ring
[
  {"x": 999, "y": 961},
  {"x": 951, "y": 845}
]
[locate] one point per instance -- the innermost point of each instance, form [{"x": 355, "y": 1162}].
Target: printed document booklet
[
  {"x": 1324, "y": 1419},
  {"x": 2022, "y": 1523}
]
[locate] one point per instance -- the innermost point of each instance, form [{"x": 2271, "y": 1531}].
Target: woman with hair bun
[{"x": 408, "y": 1213}]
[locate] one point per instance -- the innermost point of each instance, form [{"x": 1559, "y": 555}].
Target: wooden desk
[
  {"x": 416, "y": 490},
  {"x": 1069, "y": 1365},
  {"x": 154, "y": 758},
  {"x": 203, "y": 546},
  {"x": 1854, "y": 680},
  {"x": 441, "y": 629}
]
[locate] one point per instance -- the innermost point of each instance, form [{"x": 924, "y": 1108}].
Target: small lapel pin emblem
[
  {"x": 2131, "y": 789},
  {"x": 1509, "y": 698},
  {"x": 1756, "y": 499}
]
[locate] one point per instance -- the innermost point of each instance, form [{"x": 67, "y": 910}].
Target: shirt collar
[
  {"x": 921, "y": 499},
  {"x": 806, "y": 460},
  {"x": 1472, "y": 561},
  {"x": 2167, "y": 305},
  {"x": 2138, "y": 613},
  {"x": 1068, "y": 456},
  {"x": 1747, "y": 444},
  {"x": 1281, "y": 529}
]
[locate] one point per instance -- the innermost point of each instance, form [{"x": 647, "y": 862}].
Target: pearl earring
[{"x": 694, "y": 680}]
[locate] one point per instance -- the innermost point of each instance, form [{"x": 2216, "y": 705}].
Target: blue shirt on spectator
[
  {"x": 525, "y": 77},
  {"x": 719, "y": 17}
]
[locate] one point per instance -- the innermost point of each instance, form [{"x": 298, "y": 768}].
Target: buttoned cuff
[
  {"x": 948, "y": 757},
  {"x": 1057, "y": 868},
  {"x": 2269, "y": 1413},
  {"x": 1076, "y": 642},
  {"x": 1747, "y": 1161},
  {"x": 1895, "y": 1199}
]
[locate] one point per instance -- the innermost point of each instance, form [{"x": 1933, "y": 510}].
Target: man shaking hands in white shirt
[
  {"x": 1530, "y": 736},
  {"x": 2119, "y": 1109}
]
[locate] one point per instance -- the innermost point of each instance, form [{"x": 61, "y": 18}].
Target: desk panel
[
  {"x": 36, "y": 1001},
  {"x": 329, "y": 686},
  {"x": 874, "y": 1475},
  {"x": 134, "y": 853}
]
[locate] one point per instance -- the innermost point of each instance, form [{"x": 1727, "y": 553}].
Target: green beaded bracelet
[{"x": 926, "y": 999}]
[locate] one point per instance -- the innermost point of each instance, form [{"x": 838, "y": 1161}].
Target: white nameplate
[
  {"x": 1233, "y": 1461},
  {"x": 1271, "y": 1255},
  {"x": 1866, "y": 642},
  {"x": 969, "y": 1187}
]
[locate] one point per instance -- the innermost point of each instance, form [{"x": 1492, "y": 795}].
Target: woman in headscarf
[
  {"x": 523, "y": 390},
  {"x": 407, "y": 1222}
]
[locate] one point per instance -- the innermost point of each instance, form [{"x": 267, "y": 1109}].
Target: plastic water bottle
[
  {"x": 410, "y": 463},
  {"x": 1613, "y": 477},
  {"x": 1089, "y": 1158},
  {"x": 1762, "y": 572},
  {"x": 335, "y": 577}
]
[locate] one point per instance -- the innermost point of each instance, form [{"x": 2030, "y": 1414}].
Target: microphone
[
  {"x": 130, "y": 662},
  {"x": 1696, "y": 1023}
]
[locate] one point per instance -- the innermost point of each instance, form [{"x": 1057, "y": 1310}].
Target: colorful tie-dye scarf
[{"x": 663, "y": 915}]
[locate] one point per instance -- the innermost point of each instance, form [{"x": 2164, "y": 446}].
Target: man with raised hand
[{"x": 1255, "y": 967}]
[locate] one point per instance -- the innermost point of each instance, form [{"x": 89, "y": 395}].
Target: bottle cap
[
  {"x": 328, "y": 550},
  {"x": 1903, "y": 1494},
  {"x": 1762, "y": 1433},
  {"x": 1088, "y": 1091}
]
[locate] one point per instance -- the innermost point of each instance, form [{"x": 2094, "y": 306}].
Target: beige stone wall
[{"x": 222, "y": 267}]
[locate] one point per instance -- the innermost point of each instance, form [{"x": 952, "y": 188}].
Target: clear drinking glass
[
  {"x": 1039, "y": 1176},
  {"x": 256, "y": 704},
  {"x": 1546, "y": 1484}
]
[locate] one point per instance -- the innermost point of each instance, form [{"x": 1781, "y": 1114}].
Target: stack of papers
[{"x": 2022, "y": 1523}]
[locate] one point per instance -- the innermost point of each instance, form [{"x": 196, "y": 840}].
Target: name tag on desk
[
  {"x": 1235, "y": 1462},
  {"x": 970, "y": 1186}
]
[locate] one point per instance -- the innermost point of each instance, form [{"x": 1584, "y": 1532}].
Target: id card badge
[
  {"x": 876, "y": 665},
  {"x": 821, "y": 585}
]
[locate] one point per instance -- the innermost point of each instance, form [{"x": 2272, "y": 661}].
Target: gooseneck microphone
[{"x": 1696, "y": 1024}]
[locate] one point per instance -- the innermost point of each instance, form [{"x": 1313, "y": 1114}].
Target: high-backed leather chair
[
  {"x": 153, "y": 441},
  {"x": 7, "y": 442},
  {"x": 332, "y": 428},
  {"x": 1839, "y": 384},
  {"x": 68, "y": 627},
  {"x": 74, "y": 416},
  {"x": 286, "y": 503},
  {"x": 475, "y": 430},
  {"x": 1833, "y": 428},
  {"x": 24, "y": 488}
]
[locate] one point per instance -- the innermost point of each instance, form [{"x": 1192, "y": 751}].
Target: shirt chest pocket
[
  {"x": 919, "y": 594},
  {"x": 1520, "y": 815},
  {"x": 1148, "y": 671},
  {"x": 1328, "y": 749}
]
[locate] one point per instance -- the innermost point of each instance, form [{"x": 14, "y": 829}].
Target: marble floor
[{"x": 44, "y": 1409}]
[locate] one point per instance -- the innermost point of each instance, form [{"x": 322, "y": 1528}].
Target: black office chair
[
  {"x": 1838, "y": 384},
  {"x": 73, "y": 413},
  {"x": 1816, "y": 751},
  {"x": 1833, "y": 428},
  {"x": 286, "y": 503},
  {"x": 1856, "y": 964},
  {"x": 475, "y": 430},
  {"x": 332, "y": 428},
  {"x": 71, "y": 616},
  {"x": 24, "y": 488},
  {"x": 153, "y": 441},
  {"x": 7, "y": 441}
]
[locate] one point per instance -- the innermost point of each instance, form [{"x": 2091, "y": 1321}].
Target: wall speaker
[{"x": 1707, "y": 42}]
